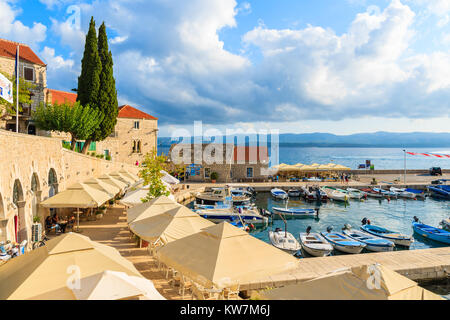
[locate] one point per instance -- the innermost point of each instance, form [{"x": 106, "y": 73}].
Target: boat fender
[{"x": 252, "y": 226}]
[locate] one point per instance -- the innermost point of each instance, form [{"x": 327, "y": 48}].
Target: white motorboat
[
  {"x": 220, "y": 194},
  {"x": 294, "y": 193},
  {"x": 279, "y": 194},
  {"x": 357, "y": 191},
  {"x": 307, "y": 193},
  {"x": 402, "y": 193},
  {"x": 373, "y": 243},
  {"x": 335, "y": 195},
  {"x": 284, "y": 240},
  {"x": 315, "y": 244},
  {"x": 351, "y": 194}
]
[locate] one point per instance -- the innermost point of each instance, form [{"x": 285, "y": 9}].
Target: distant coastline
[{"x": 360, "y": 140}]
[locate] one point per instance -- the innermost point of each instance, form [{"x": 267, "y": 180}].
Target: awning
[
  {"x": 113, "y": 181},
  {"x": 102, "y": 186}
]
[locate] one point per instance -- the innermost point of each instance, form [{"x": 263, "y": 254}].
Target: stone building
[
  {"x": 231, "y": 163},
  {"x": 33, "y": 70}
]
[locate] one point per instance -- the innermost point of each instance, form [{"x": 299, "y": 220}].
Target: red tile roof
[
  {"x": 251, "y": 154},
  {"x": 8, "y": 50},
  {"x": 127, "y": 111},
  {"x": 62, "y": 96}
]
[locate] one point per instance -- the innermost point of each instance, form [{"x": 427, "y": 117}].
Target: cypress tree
[
  {"x": 107, "y": 96},
  {"x": 89, "y": 80}
]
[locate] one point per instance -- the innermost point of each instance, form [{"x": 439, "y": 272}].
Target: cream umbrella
[
  {"x": 169, "y": 226},
  {"x": 113, "y": 181},
  {"x": 116, "y": 175},
  {"x": 102, "y": 186},
  {"x": 151, "y": 208},
  {"x": 49, "y": 272},
  {"x": 369, "y": 282},
  {"x": 341, "y": 168},
  {"x": 222, "y": 255},
  {"x": 113, "y": 285},
  {"x": 77, "y": 196},
  {"x": 129, "y": 175}
]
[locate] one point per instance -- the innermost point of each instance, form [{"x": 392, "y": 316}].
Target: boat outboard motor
[
  {"x": 416, "y": 219},
  {"x": 308, "y": 230},
  {"x": 329, "y": 229},
  {"x": 364, "y": 221},
  {"x": 317, "y": 211},
  {"x": 347, "y": 227}
]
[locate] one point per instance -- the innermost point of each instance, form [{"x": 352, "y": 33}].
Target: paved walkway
[{"x": 112, "y": 230}]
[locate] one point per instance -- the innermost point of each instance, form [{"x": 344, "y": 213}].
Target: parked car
[{"x": 435, "y": 171}]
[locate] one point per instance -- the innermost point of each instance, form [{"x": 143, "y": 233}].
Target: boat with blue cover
[
  {"x": 440, "y": 191},
  {"x": 342, "y": 242},
  {"x": 420, "y": 194},
  {"x": 279, "y": 194},
  {"x": 373, "y": 243},
  {"x": 294, "y": 213},
  {"x": 385, "y": 193},
  {"x": 432, "y": 233},
  {"x": 396, "y": 237}
]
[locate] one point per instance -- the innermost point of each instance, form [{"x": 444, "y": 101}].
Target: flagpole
[
  {"x": 404, "y": 179},
  {"x": 17, "y": 90}
]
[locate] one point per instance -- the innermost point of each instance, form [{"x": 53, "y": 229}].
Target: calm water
[
  {"x": 396, "y": 215},
  {"x": 381, "y": 158}
]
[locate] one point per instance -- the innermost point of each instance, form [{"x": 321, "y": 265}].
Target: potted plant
[
  {"x": 214, "y": 177},
  {"x": 98, "y": 214}
]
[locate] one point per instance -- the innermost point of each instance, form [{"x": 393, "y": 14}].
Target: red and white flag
[{"x": 437, "y": 155}]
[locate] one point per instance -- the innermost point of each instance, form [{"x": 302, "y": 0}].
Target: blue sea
[{"x": 381, "y": 158}]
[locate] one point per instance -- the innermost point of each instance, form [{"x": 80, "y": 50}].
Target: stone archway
[{"x": 20, "y": 222}]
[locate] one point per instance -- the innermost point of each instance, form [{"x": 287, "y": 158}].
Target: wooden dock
[{"x": 417, "y": 265}]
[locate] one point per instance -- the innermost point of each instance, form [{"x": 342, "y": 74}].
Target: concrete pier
[{"x": 417, "y": 265}]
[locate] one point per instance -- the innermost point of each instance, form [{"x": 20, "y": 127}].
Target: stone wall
[{"x": 24, "y": 156}]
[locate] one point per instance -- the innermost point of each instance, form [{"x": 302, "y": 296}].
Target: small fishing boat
[
  {"x": 372, "y": 194},
  {"x": 294, "y": 213},
  {"x": 373, "y": 243},
  {"x": 335, "y": 195},
  {"x": 357, "y": 191},
  {"x": 308, "y": 194},
  {"x": 315, "y": 244},
  {"x": 279, "y": 194},
  {"x": 385, "y": 193},
  {"x": 211, "y": 196},
  {"x": 342, "y": 242},
  {"x": 284, "y": 240},
  {"x": 440, "y": 191},
  {"x": 242, "y": 188},
  {"x": 248, "y": 215},
  {"x": 402, "y": 193},
  {"x": 351, "y": 194},
  {"x": 445, "y": 224},
  {"x": 420, "y": 194},
  {"x": 432, "y": 233},
  {"x": 320, "y": 195},
  {"x": 294, "y": 193},
  {"x": 396, "y": 237}
]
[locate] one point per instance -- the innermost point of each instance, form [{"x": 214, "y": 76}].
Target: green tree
[
  {"x": 152, "y": 175},
  {"x": 89, "y": 79},
  {"x": 107, "y": 97},
  {"x": 80, "y": 121},
  {"x": 24, "y": 95}
]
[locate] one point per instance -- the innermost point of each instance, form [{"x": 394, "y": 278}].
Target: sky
[{"x": 295, "y": 66}]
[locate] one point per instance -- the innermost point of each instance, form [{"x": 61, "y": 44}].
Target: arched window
[
  {"x": 17, "y": 192},
  {"x": 35, "y": 183},
  {"x": 52, "y": 181}
]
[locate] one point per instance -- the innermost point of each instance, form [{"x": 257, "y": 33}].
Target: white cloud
[{"x": 15, "y": 30}]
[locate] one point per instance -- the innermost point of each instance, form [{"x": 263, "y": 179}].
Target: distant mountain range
[{"x": 361, "y": 140}]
